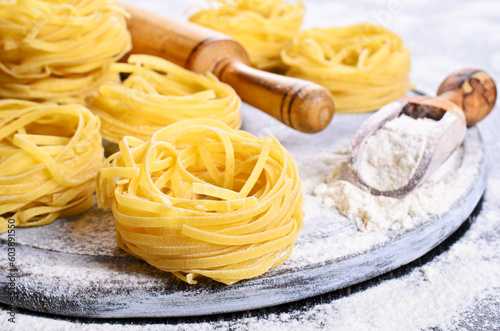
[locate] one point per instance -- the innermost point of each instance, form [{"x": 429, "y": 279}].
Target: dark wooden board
[{"x": 73, "y": 267}]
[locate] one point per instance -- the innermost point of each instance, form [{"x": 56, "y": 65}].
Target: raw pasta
[
  {"x": 262, "y": 27},
  {"x": 364, "y": 66},
  {"x": 49, "y": 159},
  {"x": 200, "y": 198},
  {"x": 158, "y": 93},
  {"x": 59, "y": 50}
]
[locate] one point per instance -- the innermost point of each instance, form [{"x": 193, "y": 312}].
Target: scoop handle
[
  {"x": 302, "y": 105},
  {"x": 473, "y": 90}
]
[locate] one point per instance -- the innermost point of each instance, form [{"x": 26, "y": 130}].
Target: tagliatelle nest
[
  {"x": 263, "y": 27},
  {"x": 49, "y": 159},
  {"x": 364, "y": 66},
  {"x": 158, "y": 93},
  {"x": 59, "y": 50},
  {"x": 200, "y": 198}
]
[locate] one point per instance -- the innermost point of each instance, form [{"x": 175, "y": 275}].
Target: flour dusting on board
[{"x": 453, "y": 286}]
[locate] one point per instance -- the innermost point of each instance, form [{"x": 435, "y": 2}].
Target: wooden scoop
[
  {"x": 302, "y": 105},
  {"x": 469, "y": 87}
]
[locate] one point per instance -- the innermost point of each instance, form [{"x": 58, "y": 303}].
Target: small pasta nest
[
  {"x": 59, "y": 50},
  {"x": 49, "y": 159},
  {"x": 200, "y": 198},
  {"x": 158, "y": 93},
  {"x": 264, "y": 28},
  {"x": 364, "y": 66}
]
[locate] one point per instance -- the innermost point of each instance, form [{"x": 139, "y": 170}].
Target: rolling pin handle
[{"x": 301, "y": 105}]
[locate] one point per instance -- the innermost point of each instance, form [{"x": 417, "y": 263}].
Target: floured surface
[{"x": 72, "y": 267}]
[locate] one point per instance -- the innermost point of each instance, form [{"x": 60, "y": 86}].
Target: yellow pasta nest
[
  {"x": 200, "y": 198},
  {"x": 263, "y": 27},
  {"x": 59, "y": 50},
  {"x": 364, "y": 66},
  {"x": 49, "y": 159},
  {"x": 158, "y": 93}
]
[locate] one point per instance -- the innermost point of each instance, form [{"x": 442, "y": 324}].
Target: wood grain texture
[
  {"x": 72, "y": 267},
  {"x": 473, "y": 90},
  {"x": 188, "y": 45},
  {"x": 302, "y": 105}
]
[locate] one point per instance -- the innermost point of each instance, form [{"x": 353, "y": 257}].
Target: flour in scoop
[
  {"x": 392, "y": 154},
  {"x": 370, "y": 212}
]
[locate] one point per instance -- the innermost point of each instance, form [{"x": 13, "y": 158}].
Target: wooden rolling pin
[{"x": 302, "y": 105}]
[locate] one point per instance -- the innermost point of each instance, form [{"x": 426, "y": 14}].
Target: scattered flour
[{"x": 391, "y": 155}]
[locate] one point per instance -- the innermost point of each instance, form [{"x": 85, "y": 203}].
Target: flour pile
[
  {"x": 370, "y": 212},
  {"x": 392, "y": 154}
]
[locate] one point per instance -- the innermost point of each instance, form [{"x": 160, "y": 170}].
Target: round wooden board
[{"x": 73, "y": 267}]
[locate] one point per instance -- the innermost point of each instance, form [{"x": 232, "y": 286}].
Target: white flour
[
  {"x": 391, "y": 155},
  {"x": 371, "y": 212}
]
